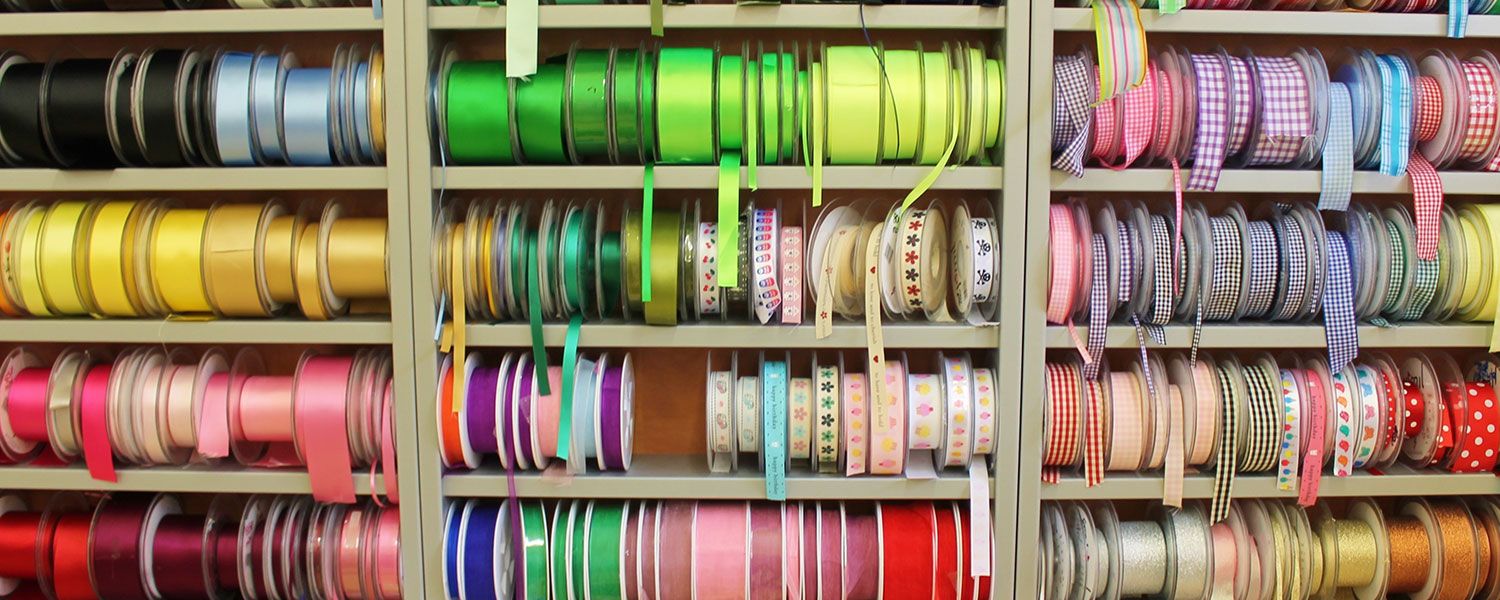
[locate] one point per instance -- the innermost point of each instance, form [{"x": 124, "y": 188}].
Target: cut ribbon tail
[
  {"x": 1427, "y": 196},
  {"x": 570, "y": 364},
  {"x": 979, "y": 518},
  {"x": 534, "y": 312},
  {"x": 648, "y": 203},
  {"x": 1121, "y": 40},
  {"x": 1458, "y": 18},
  {"x": 520, "y": 38},
  {"x": 728, "y": 221},
  {"x": 658, "y": 19}
]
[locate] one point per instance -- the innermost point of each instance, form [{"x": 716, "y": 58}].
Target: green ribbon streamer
[
  {"x": 534, "y": 308},
  {"x": 729, "y": 210},
  {"x": 658, "y": 27},
  {"x": 752, "y": 116},
  {"x": 605, "y": 531},
  {"x": 648, "y": 201},
  {"x": 539, "y": 115},
  {"x": 570, "y": 364},
  {"x": 477, "y": 114},
  {"x": 1168, "y": 7}
]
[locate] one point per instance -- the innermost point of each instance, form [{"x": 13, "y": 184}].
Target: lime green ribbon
[{"x": 729, "y": 211}]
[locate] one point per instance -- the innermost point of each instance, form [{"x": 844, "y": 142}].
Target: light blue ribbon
[
  {"x": 773, "y": 427},
  {"x": 305, "y": 109},
  {"x": 362, "y": 132},
  {"x": 1395, "y": 115},
  {"x": 1338, "y": 151},
  {"x": 266, "y": 99},
  {"x": 232, "y": 116}
]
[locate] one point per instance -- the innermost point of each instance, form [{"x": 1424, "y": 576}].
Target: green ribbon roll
[
  {"x": 539, "y": 114},
  {"x": 534, "y": 548},
  {"x": 685, "y": 105},
  {"x": 770, "y": 106},
  {"x": 588, "y": 104},
  {"x": 562, "y": 529},
  {"x": 664, "y": 241},
  {"x": 625, "y": 94},
  {"x": 731, "y": 103},
  {"x": 851, "y": 88},
  {"x": 611, "y": 261},
  {"x": 578, "y": 259},
  {"x": 578, "y": 552},
  {"x": 605, "y": 530},
  {"x": 477, "y": 114}
]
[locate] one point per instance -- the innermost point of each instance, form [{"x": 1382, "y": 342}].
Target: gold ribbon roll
[
  {"x": 357, "y": 258},
  {"x": 232, "y": 271},
  {"x": 309, "y": 291},
  {"x": 279, "y": 256}
]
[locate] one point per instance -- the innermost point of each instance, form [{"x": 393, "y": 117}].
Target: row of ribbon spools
[
  {"x": 129, "y": 546},
  {"x": 151, "y": 406},
  {"x": 154, "y": 258},
  {"x": 772, "y": 105},
  {"x": 1208, "y": 110},
  {"x": 1117, "y": 262},
  {"x": 1289, "y": 415},
  {"x": 529, "y": 415},
  {"x": 193, "y": 107},
  {"x": 645, "y": 549},
  {"x": 827, "y": 415},
  {"x": 937, "y": 261},
  {"x": 1438, "y": 549}
]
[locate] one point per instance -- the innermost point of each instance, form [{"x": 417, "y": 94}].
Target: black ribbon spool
[
  {"x": 21, "y": 114},
  {"x": 158, "y": 101},
  {"x": 27, "y": 5},
  {"x": 198, "y": 119},
  {"x": 75, "y": 111},
  {"x": 80, "y": 5},
  {"x": 127, "y": 145}
]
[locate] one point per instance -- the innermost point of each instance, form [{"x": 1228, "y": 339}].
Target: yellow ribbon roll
[
  {"x": 59, "y": 240},
  {"x": 28, "y": 263},
  {"x": 110, "y": 268},
  {"x": 177, "y": 260}
]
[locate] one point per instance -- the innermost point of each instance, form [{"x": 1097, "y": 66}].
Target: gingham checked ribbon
[
  {"x": 1228, "y": 456},
  {"x": 1338, "y": 305},
  {"x": 1285, "y": 110},
  {"x": 1228, "y": 259},
  {"x": 1210, "y": 144},
  {"x": 1100, "y": 305},
  {"x": 1071, "y": 118},
  {"x": 1426, "y": 186},
  {"x": 1263, "y": 261},
  {"x": 1062, "y": 421},
  {"x": 1338, "y": 151}
]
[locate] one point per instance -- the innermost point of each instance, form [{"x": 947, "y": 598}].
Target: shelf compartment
[
  {"x": 136, "y": 331},
  {"x": 194, "y": 179},
  {"x": 729, "y": 16},
  {"x": 1271, "y": 22},
  {"x": 1267, "y": 181},
  {"x": 207, "y": 479},
  {"x": 188, "y": 21},
  {"x": 707, "y": 178},
  {"x": 686, "y": 477},
  {"x": 1276, "y": 335},
  {"x": 1401, "y": 481},
  {"x": 603, "y": 335}
]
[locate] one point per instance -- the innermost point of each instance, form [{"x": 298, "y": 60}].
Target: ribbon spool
[
  {"x": 619, "y": 548},
  {"x": 505, "y": 413},
  {"x": 143, "y": 110},
  {"x": 131, "y": 259}
]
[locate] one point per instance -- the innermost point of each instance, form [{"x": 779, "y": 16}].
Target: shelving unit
[
  {"x": 684, "y": 476},
  {"x": 1044, "y": 184},
  {"x": 392, "y": 332}
]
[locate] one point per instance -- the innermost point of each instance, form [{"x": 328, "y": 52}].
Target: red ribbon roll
[
  {"x": 176, "y": 549},
  {"x": 20, "y": 534},
  {"x": 115, "y": 551},
  {"x": 907, "y": 532},
  {"x": 70, "y": 558}
]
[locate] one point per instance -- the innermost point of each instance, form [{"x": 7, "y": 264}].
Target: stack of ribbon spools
[
  {"x": 153, "y": 407},
  {"x": 1114, "y": 262},
  {"x": 149, "y": 546},
  {"x": 529, "y": 414},
  {"x": 1418, "y": 548},
  {"x": 651, "y": 549},
  {"x": 1125, "y": 26},
  {"x": 840, "y": 105},
  {"x": 192, "y": 107},
  {"x": 1291, "y": 415},
  {"x": 152, "y": 258},
  {"x": 827, "y": 417},
  {"x": 937, "y": 261},
  {"x": 1384, "y": 112}
]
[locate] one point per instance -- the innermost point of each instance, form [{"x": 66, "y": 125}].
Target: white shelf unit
[
  {"x": 1042, "y": 183},
  {"x": 683, "y": 476},
  {"x": 393, "y": 332}
]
